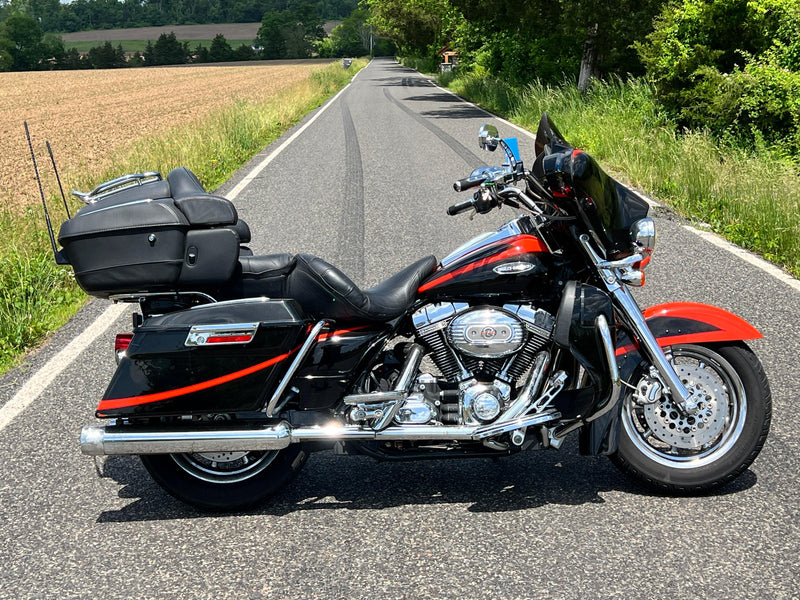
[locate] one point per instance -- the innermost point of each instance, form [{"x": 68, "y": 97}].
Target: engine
[{"x": 481, "y": 353}]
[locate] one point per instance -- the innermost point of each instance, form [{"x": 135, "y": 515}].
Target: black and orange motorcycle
[{"x": 239, "y": 366}]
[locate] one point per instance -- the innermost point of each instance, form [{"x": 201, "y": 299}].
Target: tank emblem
[{"x": 513, "y": 268}]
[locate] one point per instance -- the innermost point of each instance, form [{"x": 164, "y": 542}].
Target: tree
[
  {"x": 290, "y": 33},
  {"x": 417, "y": 27},
  {"x": 106, "y": 57},
  {"x": 166, "y": 51},
  {"x": 23, "y": 40},
  {"x": 243, "y": 52},
  {"x": 220, "y": 50}
]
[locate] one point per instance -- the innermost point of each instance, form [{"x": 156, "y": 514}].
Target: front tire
[
  {"x": 686, "y": 454},
  {"x": 225, "y": 481}
]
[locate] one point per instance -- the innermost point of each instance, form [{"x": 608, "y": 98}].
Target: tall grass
[
  {"x": 749, "y": 195},
  {"x": 37, "y": 296}
]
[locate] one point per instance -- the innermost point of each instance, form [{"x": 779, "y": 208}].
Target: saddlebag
[
  {"x": 139, "y": 240},
  {"x": 219, "y": 358}
]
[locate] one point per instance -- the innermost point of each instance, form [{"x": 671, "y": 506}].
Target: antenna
[
  {"x": 59, "y": 256},
  {"x": 58, "y": 178}
]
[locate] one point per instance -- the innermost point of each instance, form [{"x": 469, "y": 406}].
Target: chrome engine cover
[{"x": 486, "y": 333}]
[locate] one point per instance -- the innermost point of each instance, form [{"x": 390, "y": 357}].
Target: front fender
[
  {"x": 671, "y": 324},
  {"x": 691, "y": 323}
]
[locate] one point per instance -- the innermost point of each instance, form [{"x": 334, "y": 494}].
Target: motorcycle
[{"x": 239, "y": 365}]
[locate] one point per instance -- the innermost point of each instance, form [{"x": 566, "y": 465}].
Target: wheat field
[{"x": 90, "y": 116}]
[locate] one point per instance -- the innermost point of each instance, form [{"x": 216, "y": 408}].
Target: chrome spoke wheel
[
  {"x": 670, "y": 437},
  {"x": 224, "y": 467}
]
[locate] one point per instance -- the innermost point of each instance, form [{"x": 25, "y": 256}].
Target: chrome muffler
[{"x": 114, "y": 439}]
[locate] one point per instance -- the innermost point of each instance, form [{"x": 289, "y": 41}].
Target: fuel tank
[{"x": 511, "y": 261}]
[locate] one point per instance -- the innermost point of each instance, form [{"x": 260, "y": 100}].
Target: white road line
[
  {"x": 34, "y": 387},
  {"x": 746, "y": 256}
]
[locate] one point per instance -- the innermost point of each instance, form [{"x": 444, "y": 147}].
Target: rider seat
[{"x": 323, "y": 290}]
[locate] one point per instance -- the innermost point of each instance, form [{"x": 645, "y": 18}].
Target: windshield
[{"x": 605, "y": 205}]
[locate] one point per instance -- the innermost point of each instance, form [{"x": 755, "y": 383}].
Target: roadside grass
[
  {"x": 37, "y": 296},
  {"x": 749, "y": 195}
]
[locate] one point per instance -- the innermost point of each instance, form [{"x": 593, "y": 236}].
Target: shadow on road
[{"x": 522, "y": 482}]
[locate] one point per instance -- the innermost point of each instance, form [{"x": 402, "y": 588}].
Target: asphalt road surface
[{"x": 366, "y": 187}]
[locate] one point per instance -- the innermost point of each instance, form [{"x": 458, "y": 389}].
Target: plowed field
[{"x": 91, "y": 116}]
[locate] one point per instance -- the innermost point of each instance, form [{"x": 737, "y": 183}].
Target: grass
[
  {"x": 37, "y": 296},
  {"x": 749, "y": 195}
]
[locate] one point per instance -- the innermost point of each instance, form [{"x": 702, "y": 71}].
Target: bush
[{"x": 732, "y": 66}]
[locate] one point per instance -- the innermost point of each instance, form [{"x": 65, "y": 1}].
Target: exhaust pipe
[{"x": 99, "y": 440}]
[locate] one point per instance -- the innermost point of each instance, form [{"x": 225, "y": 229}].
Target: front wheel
[
  {"x": 224, "y": 481},
  {"x": 677, "y": 453}
]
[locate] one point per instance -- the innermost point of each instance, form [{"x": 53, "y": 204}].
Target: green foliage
[
  {"x": 416, "y": 27},
  {"x": 21, "y": 42},
  {"x": 290, "y": 33},
  {"x": 166, "y": 51},
  {"x": 106, "y": 57},
  {"x": 80, "y": 15},
  {"x": 732, "y": 66},
  {"x": 220, "y": 50},
  {"x": 351, "y": 38},
  {"x": 520, "y": 40},
  {"x": 36, "y": 295}
]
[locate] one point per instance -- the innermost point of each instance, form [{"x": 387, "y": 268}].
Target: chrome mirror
[
  {"x": 643, "y": 235},
  {"x": 488, "y": 137}
]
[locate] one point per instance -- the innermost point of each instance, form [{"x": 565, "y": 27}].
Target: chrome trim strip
[
  {"x": 199, "y": 335},
  {"x": 301, "y": 354},
  {"x": 142, "y": 295},
  {"x": 117, "y": 185}
]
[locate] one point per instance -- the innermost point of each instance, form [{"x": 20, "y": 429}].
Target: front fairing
[{"x": 582, "y": 188}]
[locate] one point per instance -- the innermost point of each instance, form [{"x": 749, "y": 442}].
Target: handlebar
[
  {"x": 460, "y": 207},
  {"x": 467, "y": 183}
]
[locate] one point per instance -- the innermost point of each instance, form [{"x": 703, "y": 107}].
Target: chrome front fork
[{"x": 686, "y": 400}]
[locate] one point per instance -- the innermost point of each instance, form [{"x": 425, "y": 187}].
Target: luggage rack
[
  {"x": 142, "y": 296},
  {"x": 117, "y": 185},
  {"x": 153, "y": 304}
]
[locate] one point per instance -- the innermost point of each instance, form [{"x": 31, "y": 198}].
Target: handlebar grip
[
  {"x": 460, "y": 207},
  {"x": 466, "y": 184}
]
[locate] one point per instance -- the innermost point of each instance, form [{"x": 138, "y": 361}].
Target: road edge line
[
  {"x": 746, "y": 256},
  {"x": 44, "y": 376}
]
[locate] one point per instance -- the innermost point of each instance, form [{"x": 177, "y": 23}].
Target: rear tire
[
  {"x": 225, "y": 481},
  {"x": 674, "y": 453}
]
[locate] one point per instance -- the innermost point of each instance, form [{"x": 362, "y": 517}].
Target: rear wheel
[
  {"x": 224, "y": 481},
  {"x": 666, "y": 449}
]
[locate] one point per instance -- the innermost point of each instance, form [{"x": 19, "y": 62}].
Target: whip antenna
[
  {"x": 58, "y": 178},
  {"x": 60, "y": 258}
]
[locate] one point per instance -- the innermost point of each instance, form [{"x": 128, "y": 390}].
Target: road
[{"x": 366, "y": 186}]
